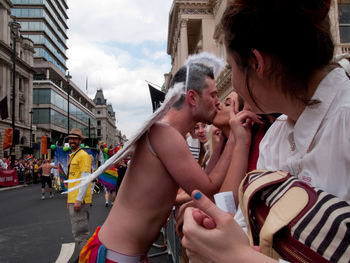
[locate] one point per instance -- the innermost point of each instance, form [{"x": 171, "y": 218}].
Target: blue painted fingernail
[{"x": 197, "y": 195}]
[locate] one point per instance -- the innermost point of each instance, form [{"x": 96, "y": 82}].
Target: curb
[{"x": 11, "y": 187}]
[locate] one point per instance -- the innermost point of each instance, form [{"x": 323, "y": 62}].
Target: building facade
[
  {"x": 23, "y": 82},
  {"x": 105, "y": 120},
  {"x": 194, "y": 26},
  {"x": 52, "y": 93},
  {"x": 45, "y": 23}
]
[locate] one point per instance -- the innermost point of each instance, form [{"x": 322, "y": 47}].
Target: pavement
[{"x": 35, "y": 230}]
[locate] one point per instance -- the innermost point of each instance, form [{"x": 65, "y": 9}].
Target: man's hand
[{"x": 77, "y": 205}]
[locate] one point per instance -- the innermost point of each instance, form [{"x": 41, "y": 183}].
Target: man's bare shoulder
[
  {"x": 161, "y": 130},
  {"x": 168, "y": 142}
]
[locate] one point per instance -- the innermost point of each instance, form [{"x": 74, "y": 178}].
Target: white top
[
  {"x": 317, "y": 147},
  {"x": 3, "y": 164},
  {"x": 100, "y": 157},
  {"x": 53, "y": 170},
  {"x": 194, "y": 145}
]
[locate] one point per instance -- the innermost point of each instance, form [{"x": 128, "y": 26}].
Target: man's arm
[
  {"x": 220, "y": 146},
  {"x": 182, "y": 197},
  {"x": 178, "y": 160}
]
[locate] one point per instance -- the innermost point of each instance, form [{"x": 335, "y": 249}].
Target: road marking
[
  {"x": 67, "y": 250},
  {"x": 11, "y": 187}
]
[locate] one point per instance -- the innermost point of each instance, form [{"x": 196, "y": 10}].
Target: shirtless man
[
  {"x": 46, "y": 178},
  {"x": 161, "y": 163}
]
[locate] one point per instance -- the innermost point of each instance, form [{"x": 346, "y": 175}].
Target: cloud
[
  {"x": 128, "y": 21},
  {"x": 118, "y": 45}
]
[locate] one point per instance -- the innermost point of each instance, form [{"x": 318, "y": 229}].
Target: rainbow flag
[
  {"x": 29, "y": 157},
  {"x": 109, "y": 178},
  {"x": 63, "y": 177}
]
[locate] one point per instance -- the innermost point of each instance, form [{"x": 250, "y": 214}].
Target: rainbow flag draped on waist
[{"x": 109, "y": 178}]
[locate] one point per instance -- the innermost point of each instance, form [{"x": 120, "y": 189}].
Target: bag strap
[
  {"x": 281, "y": 213},
  {"x": 71, "y": 159},
  {"x": 249, "y": 186}
]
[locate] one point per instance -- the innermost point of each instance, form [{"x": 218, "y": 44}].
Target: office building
[
  {"x": 45, "y": 23},
  {"x": 23, "y": 83}
]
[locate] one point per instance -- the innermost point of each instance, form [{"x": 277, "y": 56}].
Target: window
[
  {"x": 21, "y": 112},
  {"x": 58, "y": 101},
  {"x": 98, "y": 112},
  {"x": 59, "y": 119},
  {"x": 20, "y": 84},
  {"x": 41, "y": 96},
  {"x": 344, "y": 21},
  {"x": 98, "y": 132},
  {"x": 98, "y": 123},
  {"x": 41, "y": 116}
]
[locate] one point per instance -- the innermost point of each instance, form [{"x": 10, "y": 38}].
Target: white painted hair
[
  {"x": 207, "y": 59},
  {"x": 343, "y": 61}
]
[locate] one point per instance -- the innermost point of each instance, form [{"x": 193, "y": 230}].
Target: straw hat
[{"x": 75, "y": 133}]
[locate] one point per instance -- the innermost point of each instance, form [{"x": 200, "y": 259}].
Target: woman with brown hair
[{"x": 280, "y": 52}]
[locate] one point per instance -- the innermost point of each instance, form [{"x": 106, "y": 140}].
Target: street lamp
[
  {"x": 31, "y": 128},
  {"x": 89, "y": 127},
  {"x": 14, "y": 27},
  {"x": 68, "y": 77}
]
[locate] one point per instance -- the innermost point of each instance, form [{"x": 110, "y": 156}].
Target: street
[{"x": 34, "y": 230}]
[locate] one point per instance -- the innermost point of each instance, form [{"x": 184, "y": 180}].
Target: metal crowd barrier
[{"x": 173, "y": 241}]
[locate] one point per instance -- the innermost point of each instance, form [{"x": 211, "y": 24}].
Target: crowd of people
[{"x": 29, "y": 170}]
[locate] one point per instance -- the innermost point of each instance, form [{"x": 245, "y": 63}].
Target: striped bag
[{"x": 290, "y": 220}]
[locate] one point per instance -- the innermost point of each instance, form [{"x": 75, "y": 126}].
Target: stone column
[
  {"x": 3, "y": 24},
  {"x": 334, "y": 19},
  {"x": 4, "y": 27},
  {"x": 28, "y": 100},
  {"x": 3, "y": 83},
  {"x": 184, "y": 41},
  {"x": 208, "y": 28}
]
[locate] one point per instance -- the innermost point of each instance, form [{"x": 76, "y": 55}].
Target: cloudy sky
[{"x": 118, "y": 45}]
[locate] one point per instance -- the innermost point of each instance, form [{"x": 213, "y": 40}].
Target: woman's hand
[
  {"x": 226, "y": 242},
  {"x": 241, "y": 125}
]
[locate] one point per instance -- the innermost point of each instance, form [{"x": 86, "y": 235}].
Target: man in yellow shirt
[{"x": 79, "y": 200}]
